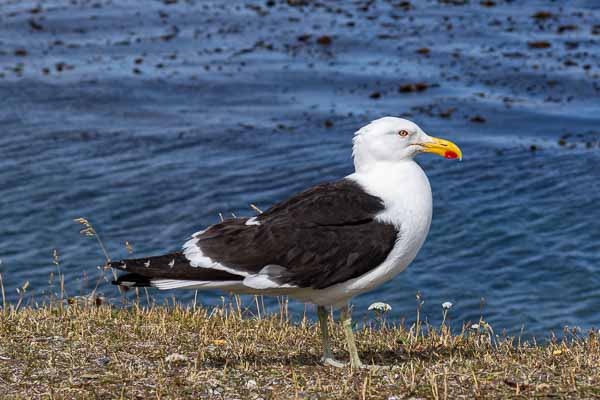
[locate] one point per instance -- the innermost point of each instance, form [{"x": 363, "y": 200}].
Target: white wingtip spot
[
  {"x": 147, "y": 264},
  {"x": 172, "y": 263},
  {"x": 252, "y": 221}
]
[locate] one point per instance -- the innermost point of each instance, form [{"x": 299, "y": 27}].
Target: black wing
[{"x": 325, "y": 235}]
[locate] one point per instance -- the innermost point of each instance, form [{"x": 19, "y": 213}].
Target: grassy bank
[{"x": 91, "y": 351}]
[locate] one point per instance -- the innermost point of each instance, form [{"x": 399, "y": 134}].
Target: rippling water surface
[{"x": 151, "y": 118}]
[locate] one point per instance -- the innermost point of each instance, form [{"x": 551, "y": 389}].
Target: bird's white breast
[{"x": 406, "y": 193}]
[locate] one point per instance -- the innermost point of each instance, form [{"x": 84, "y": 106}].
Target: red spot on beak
[{"x": 450, "y": 154}]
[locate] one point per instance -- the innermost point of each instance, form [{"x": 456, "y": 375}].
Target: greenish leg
[
  {"x": 327, "y": 358},
  {"x": 346, "y": 319}
]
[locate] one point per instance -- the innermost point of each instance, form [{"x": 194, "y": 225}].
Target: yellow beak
[{"x": 444, "y": 148}]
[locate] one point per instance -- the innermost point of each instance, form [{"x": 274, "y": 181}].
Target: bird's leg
[
  {"x": 346, "y": 319},
  {"x": 327, "y": 354}
]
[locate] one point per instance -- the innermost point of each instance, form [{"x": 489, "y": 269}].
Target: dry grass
[{"x": 98, "y": 351}]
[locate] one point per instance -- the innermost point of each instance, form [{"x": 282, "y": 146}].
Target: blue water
[{"x": 151, "y": 118}]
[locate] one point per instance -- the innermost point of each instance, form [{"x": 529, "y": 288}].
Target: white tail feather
[{"x": 166, "y": 284}]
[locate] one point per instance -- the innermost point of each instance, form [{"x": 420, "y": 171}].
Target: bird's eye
[{"x": 403, "y": 133}]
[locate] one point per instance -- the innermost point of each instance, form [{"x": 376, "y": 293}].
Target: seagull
[{"x": 322, "y": 246}]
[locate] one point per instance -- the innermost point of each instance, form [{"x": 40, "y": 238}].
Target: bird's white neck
[
  {"x": 405, "y": 191},
  {"x": 399, "y": 183}
]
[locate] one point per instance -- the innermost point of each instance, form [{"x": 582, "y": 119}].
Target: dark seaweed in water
[{"x": 151, "y": 118}]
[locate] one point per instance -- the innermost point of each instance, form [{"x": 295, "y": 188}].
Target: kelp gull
[{"x": 324, "y": 245}]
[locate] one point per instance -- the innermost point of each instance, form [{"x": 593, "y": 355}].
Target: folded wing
[{"x": 323, "y": 236}]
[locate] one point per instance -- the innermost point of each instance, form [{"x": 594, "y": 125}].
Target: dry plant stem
[
  {"x": 444, "y": 315},
  {"x": 346, "y": 319},
  {"x": 257, "y": 306},
  {"x": 21, "y": 292},
  {"x": 3, "y": 294},
  {"x": 102, "y": 246},
  {"x": 418, "y": 321},
  {"x": 91, "y": 231}
]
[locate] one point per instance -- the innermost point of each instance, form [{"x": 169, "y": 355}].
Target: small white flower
[
  {"x": 475, "y": 326},
  {"x": 447, "y": 305},
  {"x": 176, "y": 357},
  {"x": 380, "y": 307},
  {"x": 251, "y": 384}
]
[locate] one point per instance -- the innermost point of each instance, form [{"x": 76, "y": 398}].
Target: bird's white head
[{"x": 391, "y": 139}]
